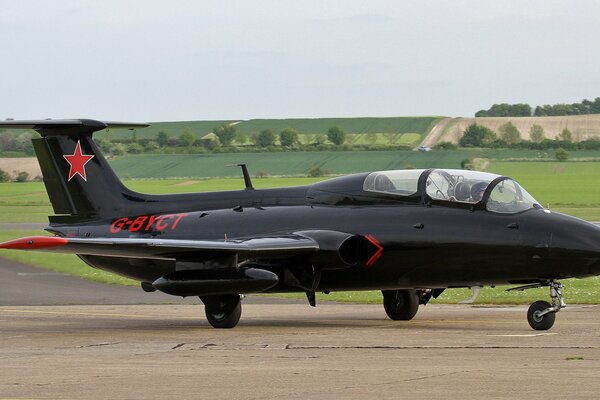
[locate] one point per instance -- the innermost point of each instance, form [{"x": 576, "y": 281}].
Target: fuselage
[{"x": 425, "y": 244}]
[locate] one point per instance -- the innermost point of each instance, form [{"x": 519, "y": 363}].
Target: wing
[{"x": 169, "y": 249}]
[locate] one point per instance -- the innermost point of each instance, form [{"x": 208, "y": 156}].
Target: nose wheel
[{"x": 541, "y": 314}]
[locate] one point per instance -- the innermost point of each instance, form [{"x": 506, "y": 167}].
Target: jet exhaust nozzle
[{"x": 337, "y": 250}]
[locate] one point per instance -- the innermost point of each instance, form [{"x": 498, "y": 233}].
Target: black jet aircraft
[{"x": 409, "y": 233}]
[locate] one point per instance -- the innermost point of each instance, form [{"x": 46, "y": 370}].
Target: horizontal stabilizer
[{"x": 68, "y": 127}]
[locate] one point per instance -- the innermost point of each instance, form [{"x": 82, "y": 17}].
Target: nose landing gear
[{"x": 541, "y": 314}]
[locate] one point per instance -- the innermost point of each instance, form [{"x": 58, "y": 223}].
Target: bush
[
  {"x": 4, "y": 177},
  {"x": 22, "y": 177},
  {"x": 135, "y": 148},
  {"x": 466, "y": 164},
  {"x": 561, "y": 155},
  {"x": 316, "y": 172},
  {"x": 261, "y": 174},
  {"x": 445, "y": 146}
]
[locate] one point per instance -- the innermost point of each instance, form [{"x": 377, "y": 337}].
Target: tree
[
  {"x": 536, "y": 133},
  {"x": 561, "y": 155},
  {"x": 162, "y": 138},
  {"x": 336, "y": 135},
  {"x": 509, "y": 133},
  {"x": 187, "y": 138},
  {"x": 506, "y": 110},
  {"x": 477, "y": 136},
  {"x": 265, "y": 138},
  {"x": 566, "y": 135},
  {"x": 225, "y": 133},
  {"x": 288, "y": 137},
  {"x": 4, "y": 177}
]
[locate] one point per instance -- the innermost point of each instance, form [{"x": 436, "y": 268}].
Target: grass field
[
  {"x": 299, "y": 163},
  {"x": 569, "y": 187}
]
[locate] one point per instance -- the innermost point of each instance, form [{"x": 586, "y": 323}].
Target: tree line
[
  {"x": 547, "y": 110},
  {"x": 509, "y": 136},
  {"x": 224, "y": 138}
]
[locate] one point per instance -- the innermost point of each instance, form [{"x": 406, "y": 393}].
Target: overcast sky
[{"x": 198, "y": 60}]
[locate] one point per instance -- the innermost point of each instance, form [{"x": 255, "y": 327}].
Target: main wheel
[
  {"x": 537, "y": 321},
  {"x": 222, "y": 312},
  {"x": 400, "y": 305}
]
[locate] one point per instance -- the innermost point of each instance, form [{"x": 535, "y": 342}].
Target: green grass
[
  {"x": 556, "y": 183},
  {"x": 577, "y": 291},
  {"x": 567, "y": 187},
  {"x": 298, "y": 163}
]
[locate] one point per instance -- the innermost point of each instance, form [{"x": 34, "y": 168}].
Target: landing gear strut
[
  {"x": 222, "y": 311},
  {"x": 541, "y": 314},
  {"x": 400, "y": 305}
]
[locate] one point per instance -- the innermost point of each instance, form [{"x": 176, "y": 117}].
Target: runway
[{"x": 289, "y": 350}]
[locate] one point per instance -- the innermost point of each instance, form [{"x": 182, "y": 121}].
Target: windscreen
[{"x": 509, "y": 197}]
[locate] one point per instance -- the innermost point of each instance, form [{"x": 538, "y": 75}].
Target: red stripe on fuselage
[{"x": 377, "y": 253}]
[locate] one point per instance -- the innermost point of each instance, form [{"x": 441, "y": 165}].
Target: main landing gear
[
  {"x": 400, "y": 305},
  {"x": 222, "y": 311},
  {"x": 541, "y": 314}
]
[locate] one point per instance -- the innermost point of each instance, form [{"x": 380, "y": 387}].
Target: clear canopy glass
[{"x": 454, "y": 185}]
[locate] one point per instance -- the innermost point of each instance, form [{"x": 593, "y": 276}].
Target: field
[
  {"x": 582, "y": 126},
  {"x": 299, "y": 163},
  {"x": 302, "y": 125},
  {"x": 569, "y": 187},
  {"x": 386, "y": 130}
]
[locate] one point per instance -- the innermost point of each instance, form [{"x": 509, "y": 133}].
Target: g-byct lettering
[{"x": 147, "y": 223}]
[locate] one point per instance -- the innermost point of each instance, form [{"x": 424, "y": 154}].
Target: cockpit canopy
[{"x": 497, "y": 193}]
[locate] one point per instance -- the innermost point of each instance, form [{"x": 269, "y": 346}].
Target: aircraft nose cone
[{"x": 576, "y": 246}]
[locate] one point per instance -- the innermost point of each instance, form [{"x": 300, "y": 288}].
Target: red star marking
[
  {"x": 77, "y": 161},
  {"x": 377, "y": 253}
]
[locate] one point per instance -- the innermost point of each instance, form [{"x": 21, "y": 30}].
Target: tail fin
[{"x": 80, "y": 182}]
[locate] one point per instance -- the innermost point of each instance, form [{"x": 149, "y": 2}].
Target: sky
[{"x": 214, "y": 60}]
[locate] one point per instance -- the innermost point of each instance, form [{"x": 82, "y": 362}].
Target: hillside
[
  {"x": 364, "y": 130},
  {"x": 582, "y": 126}
]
